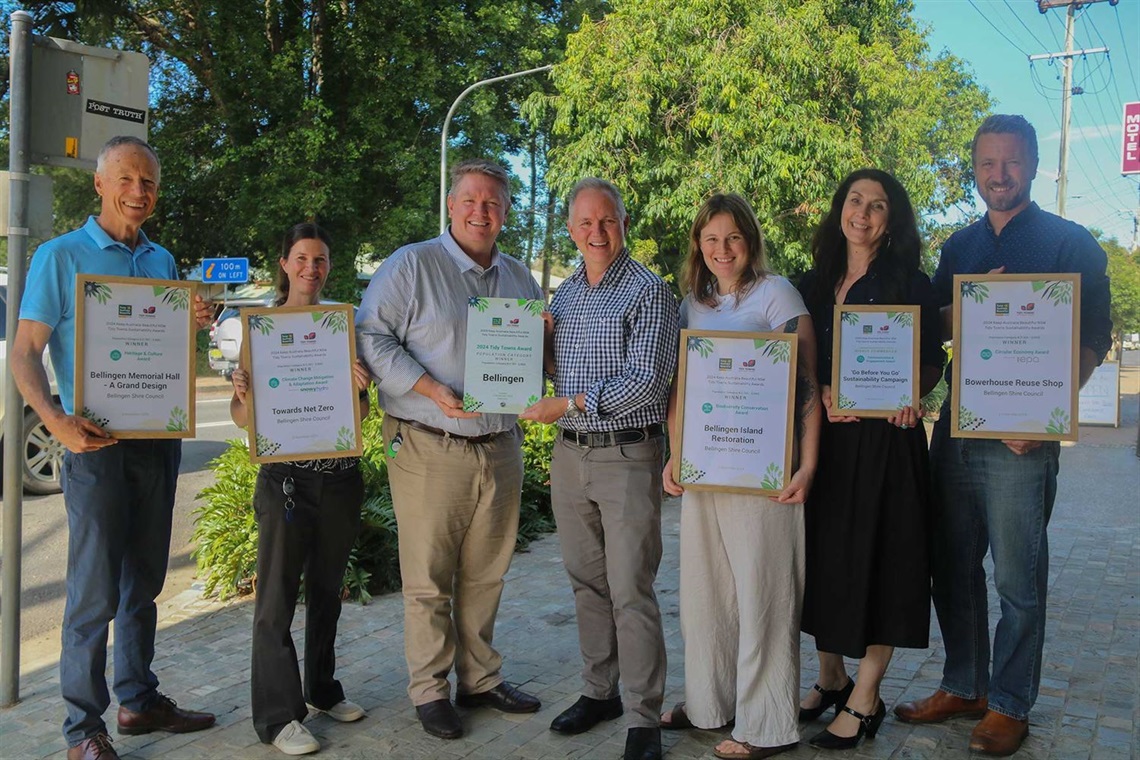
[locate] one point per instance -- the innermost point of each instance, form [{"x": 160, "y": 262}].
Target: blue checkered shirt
[{"x": 617, "y": 343}]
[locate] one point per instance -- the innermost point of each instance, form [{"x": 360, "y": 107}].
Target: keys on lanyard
[{"x": 288, "y": 488}]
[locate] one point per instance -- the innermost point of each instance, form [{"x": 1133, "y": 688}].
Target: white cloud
[{"x": 1078, "y": 134}]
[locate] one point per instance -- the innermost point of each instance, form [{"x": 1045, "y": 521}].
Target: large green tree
[
  {"x": 1124, "y": 278},
  {"x": 266, "y": 113},
  {"x": 776, "y": 99}
]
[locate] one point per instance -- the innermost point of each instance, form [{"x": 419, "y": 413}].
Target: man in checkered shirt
[{"x": 612, "y": 355}]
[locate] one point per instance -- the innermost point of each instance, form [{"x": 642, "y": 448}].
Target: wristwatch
[{"x": 572, "y": 409}]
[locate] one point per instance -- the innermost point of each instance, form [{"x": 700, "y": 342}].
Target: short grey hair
[
  {"x": 486, "y": 168},
  {"x": 120, "y": 141},
  {"x": 594, "y": 183}
]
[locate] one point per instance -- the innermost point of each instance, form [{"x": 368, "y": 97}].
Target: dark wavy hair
[
  {"x": 296, "y": 233},
  {"x": 696, "y": 277},
  {"x": 900, "y": 250}
]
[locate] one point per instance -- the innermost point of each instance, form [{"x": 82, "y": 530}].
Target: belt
[
  {"x": 446, "y": 434},
  {"x": 613, "y": 437}
]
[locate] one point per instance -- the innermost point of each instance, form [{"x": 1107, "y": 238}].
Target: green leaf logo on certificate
[
  {"x": 1016, "y": 356},
  {"x": 134, "y": 355},
  {"x": 736, "y": 393},
  {"x": 503, "y": 370},
  {"x": 874, "y": 368},
  {"x": 304, "y": 401}
]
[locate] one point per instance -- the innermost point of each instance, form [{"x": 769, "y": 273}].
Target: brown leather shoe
[
  {"x": 940, "y": 706},
  {"x": 163, "y": 714},
  {"x": 98, "y": 747},
  {"x": 998, "y": 734}
]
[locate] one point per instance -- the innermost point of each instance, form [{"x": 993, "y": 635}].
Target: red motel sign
[{"x": 1130, "y": 155}]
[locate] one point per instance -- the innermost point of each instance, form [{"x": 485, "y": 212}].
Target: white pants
[{"x": 742, "y": 585}]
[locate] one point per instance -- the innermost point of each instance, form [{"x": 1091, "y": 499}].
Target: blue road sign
[{"x": 225, "y": 270}]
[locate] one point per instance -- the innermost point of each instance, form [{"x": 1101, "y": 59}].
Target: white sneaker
[
  {"x": 295, "y": 739},
  {"x": 343, "y": 711}
]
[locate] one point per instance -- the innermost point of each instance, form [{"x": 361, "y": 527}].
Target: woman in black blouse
[
  {"x": 868, "y": 581},
  {"x": 308, "y": 517}
]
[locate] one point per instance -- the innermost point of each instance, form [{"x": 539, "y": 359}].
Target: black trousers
[{"x": 315, "y": 540}]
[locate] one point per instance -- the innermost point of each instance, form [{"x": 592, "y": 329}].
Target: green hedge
[{"x": 225, "y": 529}]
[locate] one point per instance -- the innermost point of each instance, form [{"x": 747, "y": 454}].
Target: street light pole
[{"x": 447, "y": 124}]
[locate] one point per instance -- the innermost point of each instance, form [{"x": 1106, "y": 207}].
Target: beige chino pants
[
  {"x": 457, "y": 510},
  {"x": 607, "y": 503}
]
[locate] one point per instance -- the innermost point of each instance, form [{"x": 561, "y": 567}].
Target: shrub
[{"x": 225, "y": 529}]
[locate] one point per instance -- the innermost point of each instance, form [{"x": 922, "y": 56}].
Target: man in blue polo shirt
[
  {"x": 119, "y": 495},
  {"x": 999, "y": 494}
]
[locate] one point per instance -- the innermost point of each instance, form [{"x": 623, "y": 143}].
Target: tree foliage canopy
[
  {"x": 775, "y": 99},
  {"x": 1124, "y": 278},
  {"x": 268, "y": 113}
]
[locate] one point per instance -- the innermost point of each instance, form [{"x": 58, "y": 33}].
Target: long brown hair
[
  {"x": 900, "y": 250},
  {"x": 297, "y": 233},
  {"x": 696, "y": 277}
]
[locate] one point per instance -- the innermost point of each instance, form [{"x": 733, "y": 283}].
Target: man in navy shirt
[
  {"x": 999, "y": 494},
  {"x": 119, "y": 494}
]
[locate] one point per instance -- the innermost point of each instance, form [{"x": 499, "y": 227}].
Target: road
[{"x": 45, "y": 531}]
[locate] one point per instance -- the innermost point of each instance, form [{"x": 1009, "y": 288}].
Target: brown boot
[
  {"x": 940, "y": 706},
  {"x": 998, "y": 734}
]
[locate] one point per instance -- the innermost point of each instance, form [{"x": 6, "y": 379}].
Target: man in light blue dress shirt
[{"x": 456, "y": 476}]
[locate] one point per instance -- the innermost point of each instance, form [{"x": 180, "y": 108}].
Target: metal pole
[
  {"x": 443, "y": 137},
  {"x": 19, "y": 120},
  {"x": 1066, "y": 112}
]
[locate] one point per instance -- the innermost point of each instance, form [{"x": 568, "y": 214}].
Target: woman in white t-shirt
[{"x": 742, "y": 556}]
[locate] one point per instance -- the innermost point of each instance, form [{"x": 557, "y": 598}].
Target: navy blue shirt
[{"x": 1033, "y": 242}]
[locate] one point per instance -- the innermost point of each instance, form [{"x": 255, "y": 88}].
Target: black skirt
[{"x": 867, "y": 522}]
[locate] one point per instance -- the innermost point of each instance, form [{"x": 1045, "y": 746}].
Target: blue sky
[{"x": 1098, "y": 196}]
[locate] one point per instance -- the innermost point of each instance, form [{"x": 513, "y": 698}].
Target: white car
[{"x": 43, "y": 453}]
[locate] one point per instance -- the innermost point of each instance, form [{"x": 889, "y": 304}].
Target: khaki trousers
[
  {"x": 457, "y": 511},
  {"x": 607, "y": 503}
]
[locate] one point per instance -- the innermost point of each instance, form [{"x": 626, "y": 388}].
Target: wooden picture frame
[
  {"x": 1031, "y": 391},
  {"x": 301, "y": 389},
  {"x": 733, "y": 388},
  {"x": 135, "y": 346},
  {"x": 884, "y": 321}
]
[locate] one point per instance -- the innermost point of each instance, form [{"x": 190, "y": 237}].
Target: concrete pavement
[{"x": 1090, "y": 692}]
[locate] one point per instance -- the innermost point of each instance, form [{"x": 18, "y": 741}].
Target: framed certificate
[
  {"x": 874, "y": 366},
  {"x": 503, "y": 369},
  {"x": 1016, "y": 350},
  {"x": 736, "y": 397},
  {"x": 134, "y": 355},
  {"x": 302, "y": 399}
]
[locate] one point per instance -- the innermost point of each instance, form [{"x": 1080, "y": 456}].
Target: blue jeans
[
  {"x": 119, "y": 504},
  {"x": 991, "y": 498}
]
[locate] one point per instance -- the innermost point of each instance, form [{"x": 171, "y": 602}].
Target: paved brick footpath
[{"x": 1090, "y": 689}]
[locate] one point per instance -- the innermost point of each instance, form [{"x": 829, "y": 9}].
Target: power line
[
  {"x": 1025, "y": 26},
  {"x": 1049, "y": 93},
  {"x": 1100, "y": 170},
  {"x": 1127, "y": 58},
  {"x": 1111, "y": 71},
  {"x": 997, "y": 29},
  {"x": 1052, "y": 31}
]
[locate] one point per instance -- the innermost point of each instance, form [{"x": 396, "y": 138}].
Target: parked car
[
  {"x": 43, "y": 453},
  {"x": 225, "y": 336}
]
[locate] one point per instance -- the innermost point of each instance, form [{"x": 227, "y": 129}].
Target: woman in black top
[
  {"x": 868, "y": 582},
  {"x": 308, "y": 517}
]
